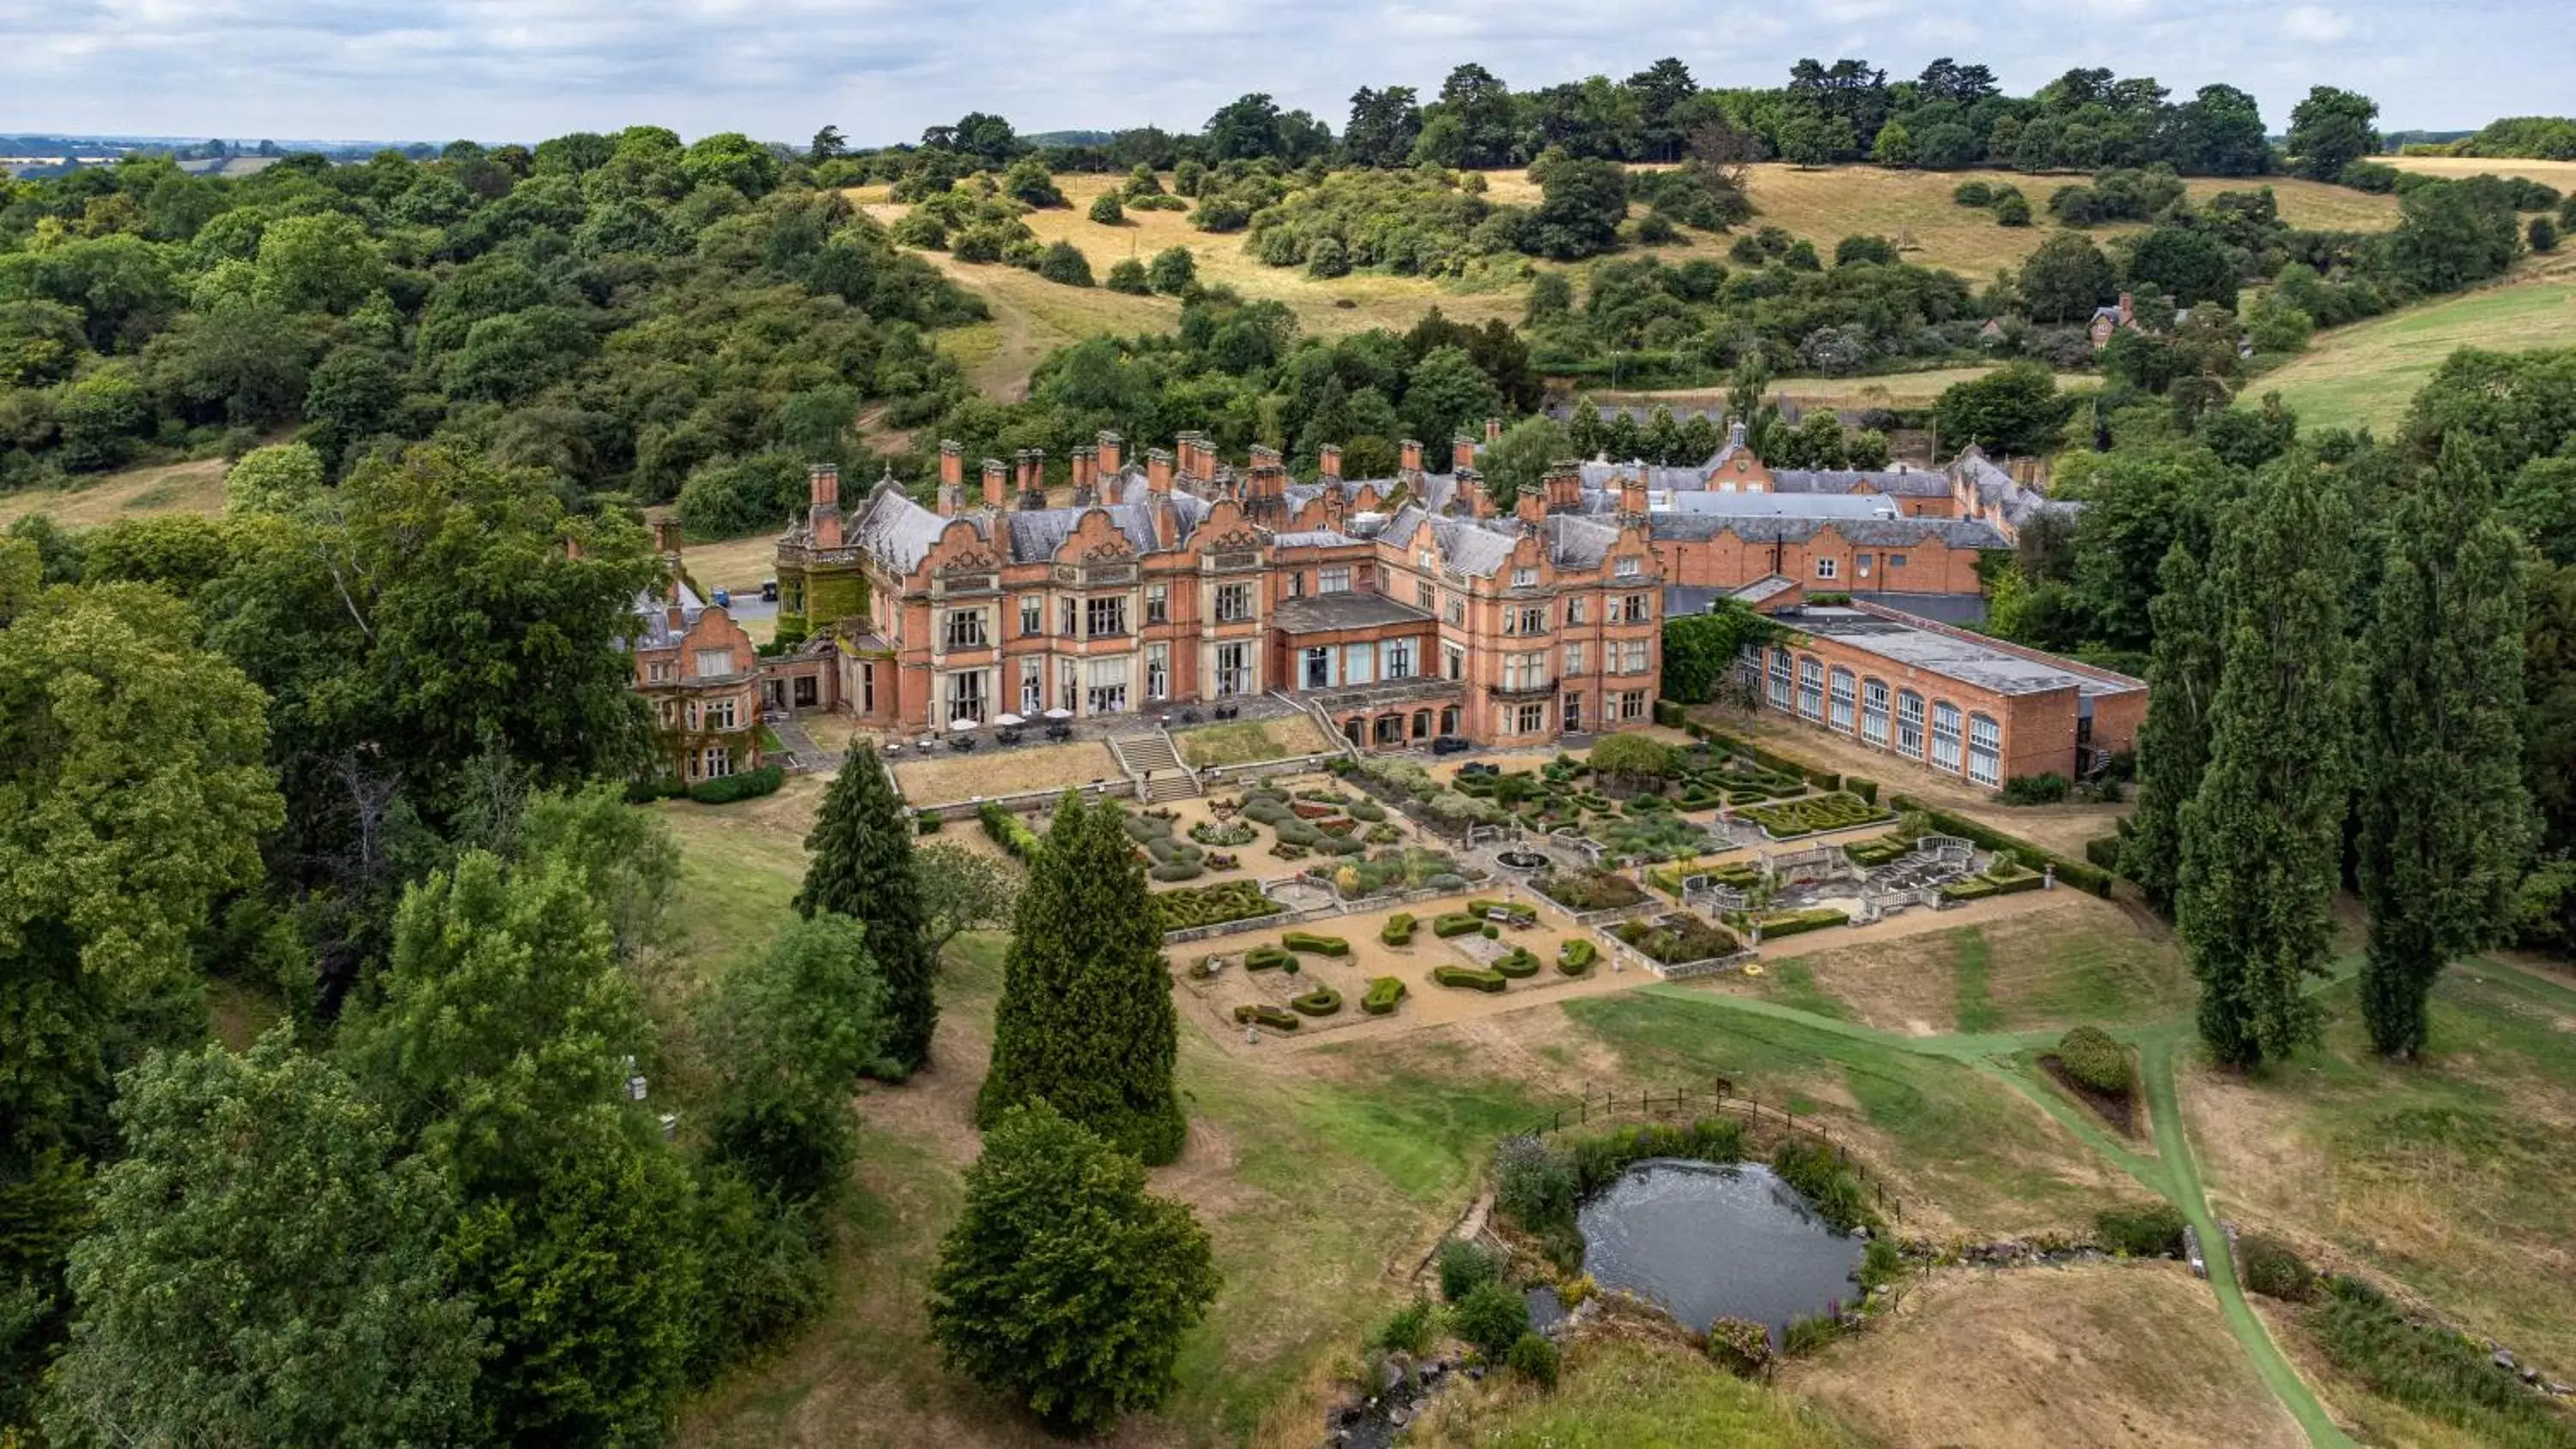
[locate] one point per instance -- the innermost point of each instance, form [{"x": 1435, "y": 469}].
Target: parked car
[
  {"x": 769, "y": 589},
  {"x": 724, "y": 598}
]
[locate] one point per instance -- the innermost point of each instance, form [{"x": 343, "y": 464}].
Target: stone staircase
[{"x": 1149, "y": 760}]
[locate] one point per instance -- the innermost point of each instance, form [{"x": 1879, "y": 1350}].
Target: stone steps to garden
[{"x": 1149, "y": 760}]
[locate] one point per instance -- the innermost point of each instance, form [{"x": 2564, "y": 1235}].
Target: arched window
[
  {"x": 1873, "y": 712},
  {"x": 1909, "y": 723},
  {"x": 1985, "y": 750},
  {"x": 1945, "y": 736},
  {"x": 1449, "y": 720},
  {"x": 1811, "y": 687},
  {"x": 1779, "y": 677},
  {"x": 1841, "y": 717}
]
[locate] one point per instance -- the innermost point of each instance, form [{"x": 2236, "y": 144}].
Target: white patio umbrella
[
  {"x": 1059, "y": 714},
  {"x": 1009, "y": 721},
  {"x": 961, "y": 726}
]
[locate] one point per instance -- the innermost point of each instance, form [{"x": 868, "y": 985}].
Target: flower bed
[
  {"x": 1389, "y": 871},
  {"x": 1212, "y": 905},
  {"x": 1591, "y": 890},
  {"x": 1224, "y": 832},
  {"x": 1677, "y": 937}
]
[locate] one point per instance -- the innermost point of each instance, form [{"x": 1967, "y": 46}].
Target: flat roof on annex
[{"x": 1997, "y": 668}]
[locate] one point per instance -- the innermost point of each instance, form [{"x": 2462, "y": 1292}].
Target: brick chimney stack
[
  {"x": 1158, "y": 470},
  {"x": 997, "y": 484},
  {"x": 823, "y": 512},
  {"x": 1471, "y": 491},
  {"x": 1632, "y": 498},
  {"x": 1493, "y": 430},
  {"x": 1564, "y": 488},
  {"x": 1409, "y": 455},
  {"x": 666, "y": 540},
  {"x": 1328, "y": 461},
  {"x": 1112, "y": 454},
  {"x": 1462, "y": 453},
  {"x": 1529, "y": 506},
  {"x": 1185, "y": 454},
  {"x": 952, "y": 464},
  {"x": 1085, "y": 492},
  {"x": 1032, "y": 478}
]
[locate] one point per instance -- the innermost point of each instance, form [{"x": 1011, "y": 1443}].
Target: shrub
[
  {"x": 1471, "y": 978},
  {"x": 1015, "y": 837},
  {"x": 1740, "y": 1346},
  {"x": 927, "y": 822},
  {"x": 1267, "y": 958},
  {"x": 1465, "y": 1266},
  {"x": 2151, "y": 1231},
  {"x": 1398, "y": 930},
  {"x": 1314, "y": 945},
  {"x": 1106, "y": 210},
  {"x": 1518, "y": 914},
  {"x": 1973, "y": 193},
  {"x": 1865, "y": 789},
  {"x": 1776, "y": 924},
  {"x": 2103, "y": 852},
  {"x": 1064, "y": 262},
  {"x": 1322, "y": 1001},
  {"x": 2013, "y": 211},
  {"x": 1534, "y": 1183},
  {"x": 2090, "y": 1056},
  {"x": 655, "y": 787},
  {"x": 1838, "y": 811},
  {"x": 1266, "y": 1015},
  {"x": 2274, "y": 1271},
  {"x": 1591, "y": 890},
  {"x": 1127, "y": 275},
  {"x": 1576, "y": 956},
  {"x": 1533, "y": 1358},
  {"x": 1177, "y": 870},
  {"x": 1383, "y": 993},
  {"x": 725, "y": 789},
  {"x": 1408, "y": 1332},
  {"x": 1490, "y": 1319},
  {"x": 2046, "y": 788},
  {"x": 2433, "y": 1370},
  {"x": 1456, "y": 923},
  {"x": 1518, "y": 963},
  {"x": 1972, "y": 889},
  {"x": 1819, "y": 1171},
  {"x": 1678, "y": 937}
]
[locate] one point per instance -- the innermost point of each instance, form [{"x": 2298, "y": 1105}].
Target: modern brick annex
[{"x": 1958, "y": 702}]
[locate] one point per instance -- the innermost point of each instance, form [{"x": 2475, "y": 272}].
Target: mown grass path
[{"x": 2170, "y": 1172}]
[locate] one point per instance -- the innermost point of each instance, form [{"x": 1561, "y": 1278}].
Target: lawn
[
  {"x": 2365, "y": 374},
  {"x": 196, "y": 487},
  {"x": 2449, "y": 1175},
  {"x": 1620, "y": 1394},
  {"x": 943, "y": 776},
  {"x": 1241, "y": 742}
]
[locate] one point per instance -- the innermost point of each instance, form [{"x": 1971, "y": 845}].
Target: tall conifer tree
[
  {"x": 1086, "y": 1020},
  {"x": 2173, "y": 744},
  {"x": 2444, "y": 819},
  {"x": 862, "y": 868},
  {"x": 2262, "y": 840}
]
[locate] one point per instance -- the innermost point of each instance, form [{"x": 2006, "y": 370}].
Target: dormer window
[
  {"x": 1629, "y": 568},
  {"x": 1524, "y": 578}
]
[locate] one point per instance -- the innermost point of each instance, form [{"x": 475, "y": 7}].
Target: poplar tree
[
  {"x": 862, "y": 868},
  {"x": 2173, "y": 743},
  {"x": 2444, "y": 819},
  {"x": 1086, "y": 1022},
  {"x": 2262, "y": 839}
]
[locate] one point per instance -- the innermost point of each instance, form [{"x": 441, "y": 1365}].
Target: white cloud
[{"x": 2314, "y": 23}]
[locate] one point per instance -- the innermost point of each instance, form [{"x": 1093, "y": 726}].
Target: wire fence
[{"x": 1691, "y": 1104}]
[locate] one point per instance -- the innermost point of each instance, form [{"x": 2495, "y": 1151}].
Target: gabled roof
[{"x": 1894, "y": 482}]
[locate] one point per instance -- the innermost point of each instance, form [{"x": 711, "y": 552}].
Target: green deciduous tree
[
  {"x": 1521, "y": 457},
  {"x": 2015, "y": 409},
  {"x": 1086, "y": 1019},
  {"x": 2262, "y": 839},
  {"x": 862, "y": 868},
  {"x": 266, "y": 1268},
  {"x": 285, "y": 479},
  {"x": 2330, "y": 130},
  {"x": 2444, "y": 820},
  {"x": 320, "y": 263},
  {"x": 1700, "y": 649},
  {"x": 962, "y": 890},
  {"x": 2065, "y": 279},
  {"x": 1063, "y": 1281},
  {"x": 788, "y": 1034}
]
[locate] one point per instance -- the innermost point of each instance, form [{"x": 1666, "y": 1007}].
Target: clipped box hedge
[
  {"x": 1322, "y": 1001},
  {"x": 1267, "y": 958},
  {"x": 1383, "y": 993},
  {"x": 1974, "y": 888},
  {"x": 2103, "y": 852},
  {"x": 750, "y": 784},
  {"x": 1314, "y": 945},
  {"x": 1265, "y": 1015},
  {"x": 1777, "y": 924},
  {"x": 1398, "y": 930},
  {"x": 1576, "y": 956},
  {"x": 1822, "y": 779},
  {"x": 1519, "y": 963},
  {"x": 1471, "y": 978},
  {"x": 1456, "y": 923}
]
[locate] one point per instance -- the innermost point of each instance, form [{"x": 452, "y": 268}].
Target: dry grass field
[
  {"x": 2101, "y": 1354},
  {"x": 2561, "y": 174},
  {"x": 196, "y": 487}
]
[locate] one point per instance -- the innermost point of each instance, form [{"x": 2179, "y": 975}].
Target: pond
[{"x": 1708, "y": 1241}]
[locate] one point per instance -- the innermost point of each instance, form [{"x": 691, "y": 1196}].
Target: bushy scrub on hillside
[{"x": 1409, "y": 223}]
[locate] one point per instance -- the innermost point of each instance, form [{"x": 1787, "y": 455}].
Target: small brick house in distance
[
  {"x": 1961, "y": 703},
  {"x": 699, "y": 671}
]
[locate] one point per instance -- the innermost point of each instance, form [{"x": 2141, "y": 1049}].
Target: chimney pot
[
  {"x": 1112, "y": 452},
  {"x": 1530, "y": 506},
  {"x": 1493, "y": 430},
  {"x": 1462, "y": 453},
  {"x": 952, "y": 464},
  {"x": 666, "y": 538},
  {"x": 1158, "y": 470},
  {"x": 823, "y": 484},
  {"x": 997, "y": 482},
  {"x": 1409, "y": 455}
]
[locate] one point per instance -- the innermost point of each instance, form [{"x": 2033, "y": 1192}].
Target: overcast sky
[{"x": 523, "y": 70}]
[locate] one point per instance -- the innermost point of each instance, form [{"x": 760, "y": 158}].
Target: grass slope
[
  {"x": 196, "y": 487},
  {"x": 2364, "y": 375},
  {"x": 1621, "y": 1395}
]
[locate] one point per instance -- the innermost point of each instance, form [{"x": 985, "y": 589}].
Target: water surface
[{"x": 1708, "y": 1241}]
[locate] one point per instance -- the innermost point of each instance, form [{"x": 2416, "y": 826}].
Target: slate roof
[
  {"x": 1894, "y": 482},
  {"x": 655, "y": 612},
  {"x": 1350, "y": 609},
  {"x": 1970, "y": 661},
  {"x": 1777, "y": 505},
  {"x": 1874, "y": 532}
]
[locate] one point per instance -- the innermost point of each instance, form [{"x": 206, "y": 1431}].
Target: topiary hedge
[
  {"x": 2089, "y": 1055},
  {"x": 1267, "y": 958},
  {"x": 750, "y": 784},
  {"x": 926, "y": 822},
  {"x": 1518, "y": 963},
  {"x": 1576, "y": 956},
  {"x": 1266, "y": 1015},
  {"x": 1456, "y": 923},
  {"x": 1322, "y": 1001},
  {"x": 1777, "y": 924},
  {"x": 1975, "y": 888},
  {"x": 1314, "y": 945},
  {"x": 1398, "y": 930},
  {"x": 1012, "y": 833},
  {"x": 1790, "y": 818},
  {"x": 1472, "y": 978},
  {"x": 1382, "y": 995},
  {"x": 1210, "y": 905}
]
